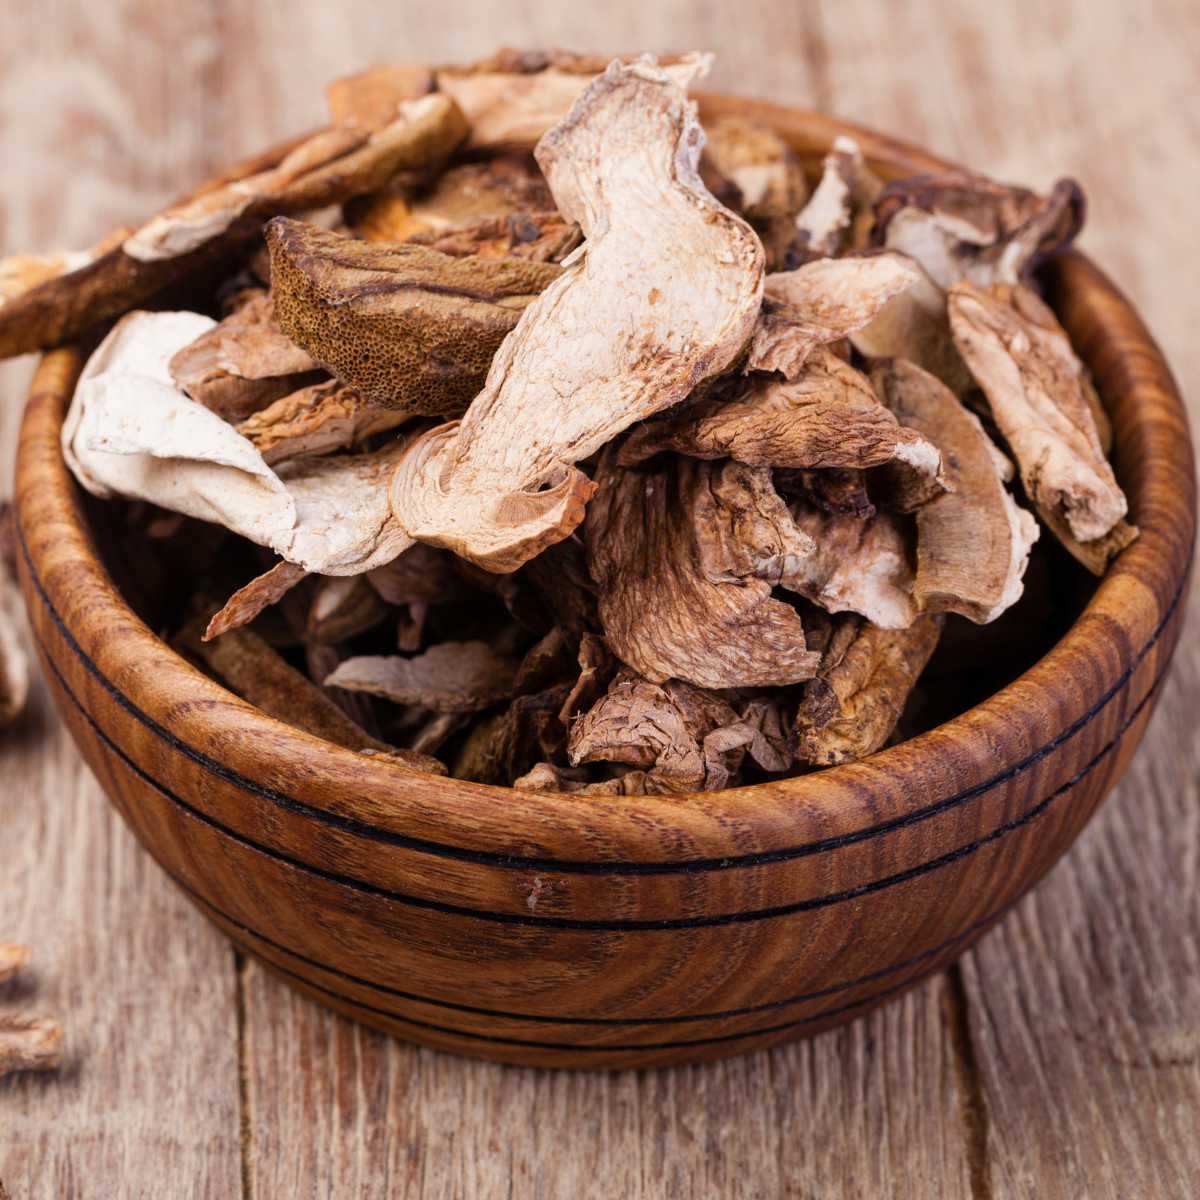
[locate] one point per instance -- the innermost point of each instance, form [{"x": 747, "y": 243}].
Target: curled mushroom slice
[
  {"x": 838, "y": 215},
  {"x": 448, "y": 677},
  {"x": 372, "y": 98},
  {"x": 259, "y": 594},
  {"x": 684, "y": 739},
  {"x": 683, "y": 555},
  {"x": 850, "y": 709},
  {"x": 243, "y": 363},
  {"x": 857, "y": 566},
  {"x": 512, "y": 98},
  {"x": 680, "y": 278},
  {"x": 1038, "y": 396},
  {"x": 404, "y": 326},
  {"x": 502, "y": 186},
  {"x": 973, "y": 543},
  {"x": 963, "y": 226},
  {"x": 829, "y": 416},
  {"x": 131, "y": 432},
  {"x": 327, "y": 168},
  {"x": 316, "y": 420},
  {"x": 822, "y": 302}
]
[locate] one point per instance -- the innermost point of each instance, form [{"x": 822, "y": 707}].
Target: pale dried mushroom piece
[
  {"x": 850, "y": 709},
  {"x": 663, "y": 295},
  {"x": 404, "y": 326},
  {"x": 29, "y": 1043},
  {"x": 464, "y": 194},
  {"x": 828, "y": 417},
  {"x": 961, "y": 226},
  {"x": 838, "y": 215},
  {"x": 915, "y": 325},
  {"x": 130, "y": 432},
  {"x": 973, "y": 543},
  {"x": 1037, "y": 393},
  {"x": 512, "y": 98},
  {"x": 327, "y": 168},
  {"x": 771, "y": 723},
  {"x": 317, "y": 420},
  {"x": 244, "y": 362},
  {"x": 684, "y": 555},
  {"x": 372, "y": 98},
  {"x": 682, "y": 738},
  {"x": 822, "y": 302},
  {"x": 14, "y": 663},
  {"x": 448, "y": 677},
  {"x": 860, "y": 566}
]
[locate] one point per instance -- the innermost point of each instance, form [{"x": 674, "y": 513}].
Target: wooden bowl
[{"x": 575, "y": 931}]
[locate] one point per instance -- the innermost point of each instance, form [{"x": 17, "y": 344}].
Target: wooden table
[{"x": 1059, "y": 1059}]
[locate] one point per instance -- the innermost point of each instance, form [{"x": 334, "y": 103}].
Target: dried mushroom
[
  {"x": 680, "y": 738},
  {"x": 404, "y": 326},
  {"x": 973, "y": 543},
  {"x": 326, "y": 168},
  {"x": 960, "y": 226},
  {"x": 316, "y": 420},
  {"x": 850, "y": 709},
  {"x": 243, "y": 363},
  {"x": 839, "y": 214},
  {"x": 502, "y": 486},
  {"x": 14, "y": 664},
  {"x": 130, "y": 432},
  {"x": 619, "y": 468},
  {"x": 856, "y": 565},
  {"x": 1038, "y": 397},
  {"x": 684, "y": 555},
  {"x": 822, "y": 302},
  {"x": 448, "y": 677},
  {"x": 496, "y": 188},
  {"x": 829, "y": 416}
]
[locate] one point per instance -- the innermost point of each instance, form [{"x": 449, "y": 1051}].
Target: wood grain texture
[
  {"x": 147, "y": 1101},
  {"x": 1026, "y": 90}
]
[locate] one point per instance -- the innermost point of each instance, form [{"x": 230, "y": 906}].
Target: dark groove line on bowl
[
  {"x": 550, "y": 1019},
  {"x": 497, "y": 1039},
  {"x": 567, "y": 866},
  {"x": 643, "y": 925}
]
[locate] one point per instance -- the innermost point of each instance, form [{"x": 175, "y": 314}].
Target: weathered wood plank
[
  {"x": 341, "y": 1111},
  {"x": 100, "y": 124}
]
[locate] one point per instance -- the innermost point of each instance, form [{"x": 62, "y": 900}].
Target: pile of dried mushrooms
[{"x": 552, "y": 440}]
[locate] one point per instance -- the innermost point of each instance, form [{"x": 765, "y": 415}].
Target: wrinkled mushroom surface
[{"x": 1038, "y": 397}]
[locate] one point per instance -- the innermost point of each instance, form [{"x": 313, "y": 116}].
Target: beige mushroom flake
[
  {"x": 681, "y": 280},
  {"x": 972, "y": 543},
  {"x": 684, "y": 557},
  {"x": 1038, "y": 396}
]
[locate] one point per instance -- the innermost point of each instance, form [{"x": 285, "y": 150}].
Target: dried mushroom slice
[
  {"x": 915, "y": 325},
  {"x": 1038, "y": 396},
  {"x": 838, "y": 216},
  {"x": 342, "y": 607},
  {"x": 14, "y": 664},
  {"x": 684, "y": 555},
  {"x": 542, "y": 237},
  {"x": 822, "y": 302},
  {"x": 243, "y": 363},
  {"x": 512, "y": 98},
  {"x": 130, "y": 432},
  {"x": 857, "y": 566},
  {"x": 448, "y": 677},
  {"x": 505, "y": 745},
  {"x": 960, "y": 226},
  {"x": 973, "y": 543},
  {"x": 317, "y": 420},
  {"x": 255, "y": 597},
  {"x": 850, "y": 709},
  {"x": 828, "y": 417},
  {"x": 327, "y": 168},
  {"x": 463, "y": 195},
  {"x": 404, "y": 326},
  {"x": 372, "y": 98},
  {"x": 680, "y": 280},
  {"x": 682, "y": 738}
]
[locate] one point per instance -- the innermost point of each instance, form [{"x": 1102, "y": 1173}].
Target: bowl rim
[{"x": 1138, "y": 595}]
